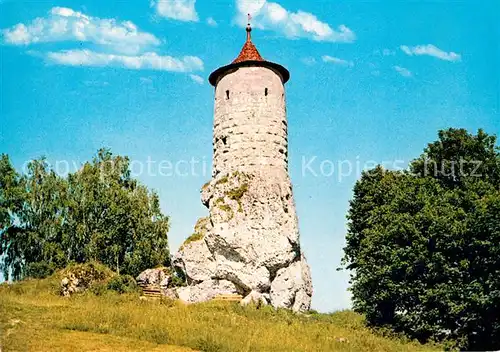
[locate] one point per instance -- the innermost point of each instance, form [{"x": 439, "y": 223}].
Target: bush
[
  {"x": 122, "y": 284},
  {"x": 177, "y": 280},
  {"x": 39, "y": 270},
  {"x": 89, "y": 272}
]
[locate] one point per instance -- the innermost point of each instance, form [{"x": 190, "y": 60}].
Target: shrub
[
  {"x": 178, "y": 280},
  {"x": 122, "y": 284},
  {"x": 39, "y": 270}
]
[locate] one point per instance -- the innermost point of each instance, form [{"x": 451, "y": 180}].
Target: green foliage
[
  {"x": 97, "y": 213},
  {"x": 88, "y": 273},
  {"x": 423, "y": 245},
  {"x": 122, "y": 284},
  {"x": 177, "y": 280},
  {"x": 208, "y": 344},
  {"x": 40, "y": 270},
  {"x": 459, "y": 158}
]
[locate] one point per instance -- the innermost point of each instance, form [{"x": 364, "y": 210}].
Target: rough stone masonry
[{"x": 249, "y": 243}]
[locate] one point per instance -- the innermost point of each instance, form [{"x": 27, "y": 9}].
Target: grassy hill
[{"x": 33, "y": 317}]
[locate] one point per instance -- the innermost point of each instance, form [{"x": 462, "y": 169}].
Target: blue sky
[{"x": 371, "y": 81}]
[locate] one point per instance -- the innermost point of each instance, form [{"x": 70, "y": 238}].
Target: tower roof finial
[
  {"x": 249, "y": 28},
  {"x": 249, "y": 51},
  {"x": 249, "y": 56}
]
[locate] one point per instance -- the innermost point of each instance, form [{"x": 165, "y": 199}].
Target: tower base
[{"x": 249, "y": 244}]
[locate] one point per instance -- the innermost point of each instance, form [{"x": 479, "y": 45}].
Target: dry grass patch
[{"x": 48, "y": 322}]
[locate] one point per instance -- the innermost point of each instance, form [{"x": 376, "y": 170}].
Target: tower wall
[{"x": 250, "y": 125}]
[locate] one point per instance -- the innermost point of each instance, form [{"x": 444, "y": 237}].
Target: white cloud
[
  {"x": 181, "y": 10},
  {"x": 211, "y": 22},
  {"x": 147, "y": 61},
  {"x": 308, "y": 60},
  {"x": 197, "y": 79},
  {"x": 431, "y": 50},
  {"x": 65, "y": 24},
  {"x": 403, "y": 71},
  {"x": 115, "y": 44},
  {"x": 337, "y": 61},
  {"x": 300, "y": 24}
]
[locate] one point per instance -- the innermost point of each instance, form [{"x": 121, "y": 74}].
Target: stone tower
[
  {"x": 250, "y": 126},
  {"x": 249, "y": 244}
]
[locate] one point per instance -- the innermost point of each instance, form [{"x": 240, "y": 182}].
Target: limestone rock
[
  {"x": 153, "y": 277},
  {"x": 250, "y": 241},
  {"x": 255, "y": 297},
  {"x": 70, "y": 285},
  {"x": 196, "y": 261},
  {"x": 81, "y": 277},
  {"x": 206, "y": 291},
  {"x": 165, "y": 282},
  {"x": 246, "y": 276},
  {"x": 169, "y": 292},
  {"x": 292, "y": 287}
]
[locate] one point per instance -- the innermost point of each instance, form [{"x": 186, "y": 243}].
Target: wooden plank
[
  {"x": 228, "y": 298},
  {"x": 150, "y": 291}
]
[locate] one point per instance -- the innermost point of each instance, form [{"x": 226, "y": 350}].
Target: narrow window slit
[
  {"x": 266, "y": 92},
  {"x": 227, "y": 94}
]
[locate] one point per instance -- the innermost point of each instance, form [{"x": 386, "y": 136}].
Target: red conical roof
[
  {"x": 249, "y": 52},
  {"x": 249, "y": 56}
]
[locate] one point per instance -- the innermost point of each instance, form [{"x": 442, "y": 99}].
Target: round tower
[
  {"x": 249, "y": 244},
  {"x": 250, "y": 124}
]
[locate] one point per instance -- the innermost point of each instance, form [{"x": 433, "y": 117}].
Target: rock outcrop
[
  {"x": 81, "y": 277},
  {"x": 154, "y": 277},
  {"x": 248, "y": 245}
]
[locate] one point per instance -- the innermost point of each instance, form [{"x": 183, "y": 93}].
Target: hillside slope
[{"x": 34, "y": 318}]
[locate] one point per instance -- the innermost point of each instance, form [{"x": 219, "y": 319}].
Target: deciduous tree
[
  {"x": 423, "y": 245},
  {"x": 97, "y": 213}
]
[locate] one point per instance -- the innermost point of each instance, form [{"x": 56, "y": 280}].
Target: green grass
[
  {"x": 34, "y": 318},
  {"x": 193, "y": 238}
]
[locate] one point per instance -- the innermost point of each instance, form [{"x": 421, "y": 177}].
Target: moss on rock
[{"x": 193, "y": 238}]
